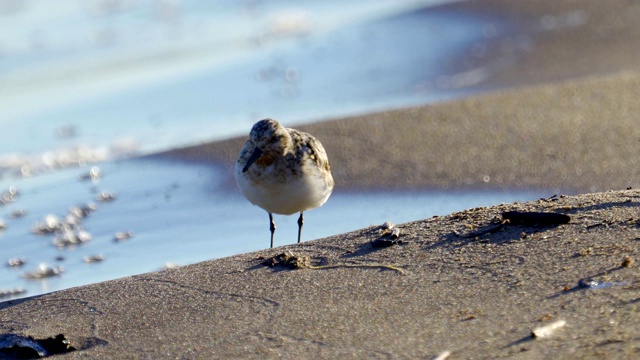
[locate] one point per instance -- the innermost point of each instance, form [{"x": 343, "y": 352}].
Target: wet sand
[{"x": 461, "y": 283}]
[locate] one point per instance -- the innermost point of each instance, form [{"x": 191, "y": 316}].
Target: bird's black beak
[{"x": 256, "y": 154}]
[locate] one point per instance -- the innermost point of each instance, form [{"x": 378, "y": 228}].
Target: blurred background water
[
  {"x": 86, "y": 82},
  {"x": 155, "y": 74}
]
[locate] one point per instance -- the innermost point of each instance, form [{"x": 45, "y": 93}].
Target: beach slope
[{"x": 464, "y": 283}]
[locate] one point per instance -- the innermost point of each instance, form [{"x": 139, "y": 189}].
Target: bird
[{"x": 283, "y": 171}]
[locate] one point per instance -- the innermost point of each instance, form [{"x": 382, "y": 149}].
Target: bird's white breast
[{"x": 294, "y": 194}]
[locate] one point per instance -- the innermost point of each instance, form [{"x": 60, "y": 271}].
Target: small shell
[
  {"x": 547, "y": 330},
  {"x": 443, "y": 355}
]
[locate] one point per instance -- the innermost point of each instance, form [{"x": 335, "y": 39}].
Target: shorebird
[{"x": 283, "y": 171}]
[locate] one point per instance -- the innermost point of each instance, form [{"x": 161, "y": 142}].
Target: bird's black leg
[
  {"x": 272, "y": 227},
  {"x": 300, "y": 222}
]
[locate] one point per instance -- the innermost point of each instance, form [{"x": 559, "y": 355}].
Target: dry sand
[
  {"x": 445, "y": 288},
  {"x": 451, "y": 285}
]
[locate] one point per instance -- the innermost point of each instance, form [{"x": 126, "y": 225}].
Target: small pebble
[
  {"x": 43, "y": 271},
  {"x": 50, "y": 225},
  {"x": 93, "y": 259},
  {"x": 389, "y": 236},
  {"x": 88, "y": 208},
  {"x": 70, "y": 238},
  {"x": 72, "y": 220},
  {"x": 16, "y": 262},
  {"x": 122, "y": 235},
  {"x": 170, "y": 265},
  {"x": 94, "y": 174},
  {"x": 388, "y": 225},
  {"x": 9, "y": 196},
  {"x": 588, "y": 283},
  {"x": 11, "y": 292},
  {"x": 106, "y": 196},
  {"x": 17, "y": 214},
  {"x": 81, "y": 212}
]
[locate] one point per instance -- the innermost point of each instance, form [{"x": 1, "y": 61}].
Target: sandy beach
[
  {"x": 454, "y": 283},
  {"x": 563, "y": 116}
]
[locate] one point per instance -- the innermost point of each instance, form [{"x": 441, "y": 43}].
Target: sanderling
[{"x": 283, "y": 171}]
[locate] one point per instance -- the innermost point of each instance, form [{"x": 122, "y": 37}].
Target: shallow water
[
  {"x": 212, "y": 79},
  {"x": 184, "y": 213}
]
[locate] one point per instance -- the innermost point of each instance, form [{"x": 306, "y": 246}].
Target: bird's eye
[{"x": 274, "y": 139}]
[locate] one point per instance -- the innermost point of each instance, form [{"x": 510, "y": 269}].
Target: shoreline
[
  {"x": 560, "y": 117},
  {"x": 456, "y": 145}
]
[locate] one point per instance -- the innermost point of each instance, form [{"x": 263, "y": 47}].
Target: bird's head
[{"x": 270, "y": 139}]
